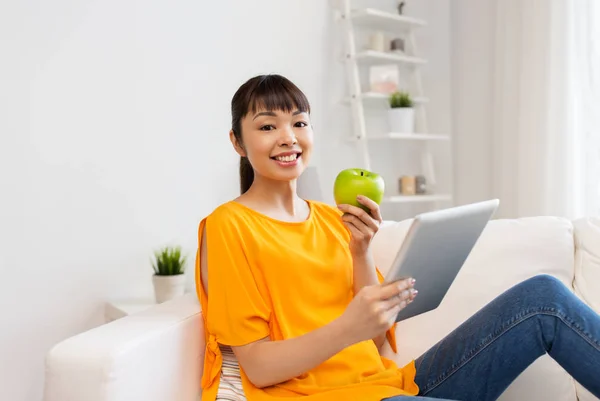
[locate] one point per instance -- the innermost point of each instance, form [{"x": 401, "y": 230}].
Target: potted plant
[
  {"x": 169, "y": 277},
  {"x": 401, "y": 114}
]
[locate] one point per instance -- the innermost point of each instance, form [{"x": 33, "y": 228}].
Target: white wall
[
  {"x": 472, "y": 32},
  {"x": 113, "y": 120},
  {"x": 113, "y": 129}
]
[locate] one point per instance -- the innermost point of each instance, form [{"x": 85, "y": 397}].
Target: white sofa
[{"x": 157, "y": 355}]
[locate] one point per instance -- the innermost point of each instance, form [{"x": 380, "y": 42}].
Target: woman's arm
[
  {"x": 363, "y": 226},
  {"x": 365, "y": 275},
  {"x": 271, "y": 362},
  {"x": 373, "y": 310}
]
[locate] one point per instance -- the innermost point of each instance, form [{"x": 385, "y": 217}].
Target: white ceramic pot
[
  {"x": 168, "y": 287},
  {"x": 402, "y": 120}
]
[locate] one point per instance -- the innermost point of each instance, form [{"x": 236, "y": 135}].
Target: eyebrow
[{"x": 272, "y": 114}]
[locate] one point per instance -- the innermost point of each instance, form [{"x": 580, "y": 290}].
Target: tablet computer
[{"x": 434, "y": 250}]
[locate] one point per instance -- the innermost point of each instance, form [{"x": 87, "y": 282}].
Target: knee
[
  {"x": 546, "y": 280},
  {"x": 544, "y": 284}
]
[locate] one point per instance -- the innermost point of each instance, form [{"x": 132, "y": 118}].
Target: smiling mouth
[{"x": 289, "y": 158}]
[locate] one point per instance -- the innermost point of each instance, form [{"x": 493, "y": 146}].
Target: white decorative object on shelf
[
  {"x": 401, "y": 115},
  {"x": 384, "y": 79},
  {"x": 402, "y": 119},
  {"x": 377, "y": 42}
]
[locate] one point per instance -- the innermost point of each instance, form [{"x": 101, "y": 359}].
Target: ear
[{"x": 239, "y": 148}]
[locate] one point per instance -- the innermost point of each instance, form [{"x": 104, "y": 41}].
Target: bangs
[{"x": 274, "y": 92}]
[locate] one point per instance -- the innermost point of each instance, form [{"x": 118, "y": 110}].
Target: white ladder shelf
[{"x": 370, "y": 18}]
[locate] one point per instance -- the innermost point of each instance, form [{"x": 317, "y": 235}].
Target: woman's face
[{"x": 278, "y": 144}]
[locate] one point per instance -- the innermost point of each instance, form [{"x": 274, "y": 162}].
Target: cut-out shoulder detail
[{"x": 204, "y": 262}]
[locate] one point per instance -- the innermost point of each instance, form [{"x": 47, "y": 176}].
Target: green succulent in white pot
[
  {"x": 169, "y": 273},
  {"x": 401, "y": 115}
]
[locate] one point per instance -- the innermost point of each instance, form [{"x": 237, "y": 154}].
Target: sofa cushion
[
  {"x": 508, "y": 252},
  {"x": 587, "y": 260},
  {"x": 587, "y": 272}
]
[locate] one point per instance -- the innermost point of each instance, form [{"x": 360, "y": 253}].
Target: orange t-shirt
[{"x": 281, "y": 279}]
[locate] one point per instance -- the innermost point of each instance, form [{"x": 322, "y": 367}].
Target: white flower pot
[
  {"x": 402, "y": 120},
  {"x": 168, "y": 287}
]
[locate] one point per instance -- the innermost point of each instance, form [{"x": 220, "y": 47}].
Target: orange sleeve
[
  {"x": 391, "y": 333},
  {"x": 237, "y": 312}
]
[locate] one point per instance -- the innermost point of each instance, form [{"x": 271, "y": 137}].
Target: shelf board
[
  {"x": 375, "y": 57},
  {"x": 377, "y": 19},
  {"x": 378, "y": 97},
  {"x": 417, "y": 198},
  {"x": 413, "y": 136}
]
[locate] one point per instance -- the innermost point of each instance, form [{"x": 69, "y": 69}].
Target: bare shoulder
[{"x": 204, "y": 260}]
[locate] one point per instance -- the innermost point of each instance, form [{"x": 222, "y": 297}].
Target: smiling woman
[
  {"x": 289, "y": 288},
  {"x": 284, "y": 274},
  {"x": 274, "y": 115}
]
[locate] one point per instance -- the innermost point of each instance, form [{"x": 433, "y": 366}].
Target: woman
[{"x": 290, "y": 287}]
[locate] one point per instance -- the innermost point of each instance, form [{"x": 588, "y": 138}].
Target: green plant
[
  {"x": 169, "y": 261},
  {"x": 400, "y": 99}
]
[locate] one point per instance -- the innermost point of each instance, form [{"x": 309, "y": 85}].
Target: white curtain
[{"x": 546, "y": 127}]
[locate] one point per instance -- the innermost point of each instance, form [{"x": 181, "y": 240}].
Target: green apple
[{"x": 355, "y": 181}]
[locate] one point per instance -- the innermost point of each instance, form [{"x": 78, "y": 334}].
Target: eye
[
  {"x": 301, "y": 124},
  {"x": 267, "y": 127}
]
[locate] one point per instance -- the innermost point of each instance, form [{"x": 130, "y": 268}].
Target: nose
[{"x": 287, "y": 137}]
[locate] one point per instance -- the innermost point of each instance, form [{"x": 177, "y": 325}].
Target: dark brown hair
[{"x": 263, "y": 92}]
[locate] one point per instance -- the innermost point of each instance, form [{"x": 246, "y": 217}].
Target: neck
[{"x": 276, "y": 194}]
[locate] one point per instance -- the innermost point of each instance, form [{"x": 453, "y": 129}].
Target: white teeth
[{"x": 289, "y": 158}]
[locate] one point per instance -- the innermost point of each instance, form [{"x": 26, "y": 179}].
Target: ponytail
[{"x": 246, "y": 175}]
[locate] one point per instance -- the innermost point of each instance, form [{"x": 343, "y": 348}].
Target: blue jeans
[{"x": 481, "y": 358}]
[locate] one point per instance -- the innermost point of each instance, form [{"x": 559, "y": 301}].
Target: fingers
[
  {"x": 359, "y": 217},
  {"x": 354, "y": 231},
  {"x": 372, "y": 205},
  {"x": 368, "y": 230},
  {"x": 401, "y": 300},
  {"x": 390, "y": 314},
  {"x": 395, "y": 288}
]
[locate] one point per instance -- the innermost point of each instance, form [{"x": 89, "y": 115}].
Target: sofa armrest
[{"x": 155, "y": 355}]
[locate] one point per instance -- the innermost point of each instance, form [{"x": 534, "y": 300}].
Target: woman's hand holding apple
[
  {"x": 362, "y": 225},
  {"x": 355, "y": 181}
]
